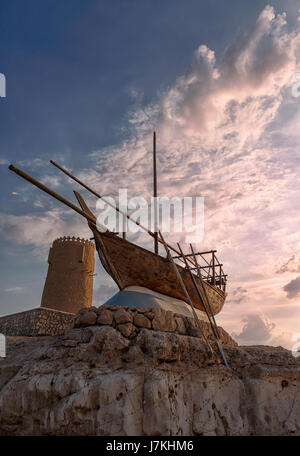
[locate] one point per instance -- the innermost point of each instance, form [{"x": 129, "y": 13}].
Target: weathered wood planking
[{"x": 138, "y": 266}]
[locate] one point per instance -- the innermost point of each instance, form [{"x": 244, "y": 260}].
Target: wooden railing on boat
[{"x": 210, "y": 267}]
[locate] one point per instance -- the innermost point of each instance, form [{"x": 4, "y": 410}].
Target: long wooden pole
[
  {"x": 214, "y": 329},
  {"x": 204, "y": 291},
  {"x": 197, "y": 289},
  {"x": 213, "y": 269},
  {"x": 71, "y": 205},
  {"x": 198, "y": 253},
  {"x": 180, "y": 279},
  {"x": 99, "y": 196},
  {"x": 114, "y": 207},
  {"x": 155, "y": 195},
  {"x": 52, "y": 193},
  {"x": 88, "y": 217}
]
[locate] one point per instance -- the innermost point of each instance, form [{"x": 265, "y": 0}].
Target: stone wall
[
  {"x": 129, "y": 321},
  {"x": 36, "y": 322}
]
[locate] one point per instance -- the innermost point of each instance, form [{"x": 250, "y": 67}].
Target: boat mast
[{"x": 155, "y": 195}]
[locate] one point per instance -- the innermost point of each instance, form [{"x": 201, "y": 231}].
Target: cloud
[
  {"x": 14, "y": 289},
  {"x": 103, "y": 293},
  {"x": 222, "y": 133},
  {"x": 257, "y": 329},
  {"x": 219, "y": 101},
  {"x": 210, "y": 125},
  {"x": 292, "y": 288},
  {"x": 238, "y": 295},
  {"x": 33, "y": 163},
  {"x": 292, "y": 265},
  {"x": 4, "y": 161},
  {"x": 53, "y": 181},
  {"x": 40, "y": 231}
]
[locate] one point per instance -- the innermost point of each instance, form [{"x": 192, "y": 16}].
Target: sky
[{"x": 86, "y": 85}]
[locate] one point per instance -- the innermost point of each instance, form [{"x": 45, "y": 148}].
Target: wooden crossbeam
[
  {"x": 204, "y": 267},
  {"x": 198, "y": 253}
]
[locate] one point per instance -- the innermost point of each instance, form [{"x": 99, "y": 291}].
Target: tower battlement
[{"x": 73, "y": 239}]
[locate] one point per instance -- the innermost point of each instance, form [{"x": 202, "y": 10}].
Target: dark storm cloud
[{"x": 292, "y": 288}]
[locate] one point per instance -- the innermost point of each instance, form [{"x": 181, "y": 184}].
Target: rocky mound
[{"x": 102, "y": 378}]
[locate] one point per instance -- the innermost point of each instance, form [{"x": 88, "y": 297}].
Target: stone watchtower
[{"x": 69, "y": 282}]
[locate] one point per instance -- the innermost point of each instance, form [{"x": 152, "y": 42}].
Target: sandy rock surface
[{"x": 101, "y": 378}]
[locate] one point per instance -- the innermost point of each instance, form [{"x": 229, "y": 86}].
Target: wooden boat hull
[
  {"x": 138, "y": 266},
  {"x": 129, "y": 264}
]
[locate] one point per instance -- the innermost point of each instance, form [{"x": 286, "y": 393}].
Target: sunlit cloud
[
  {"x": 40, "y": 231},
  {"x": 257, "y": 329},
  {"x": 292, "y": 265}
]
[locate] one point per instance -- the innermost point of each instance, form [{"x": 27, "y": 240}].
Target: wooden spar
[
  {"x": 197, "y": 289},
  {"x": 204, "y": 267},
  {"x": 71, "y": 205},
  {"x": 169, "y": 256},
  {"x": 214, "y": 329},
  {"x": 50, "y": 192},
  {"x": 114, "y": 207},
  {"x": 100, "y": 196},
  {"x": 155, "y": 195},
  {"x": 213, "y": 269},
  {"x": 124, "y": 229},
  {"x": 204, "y": 291},
  {"x": 197, "y": 253}
]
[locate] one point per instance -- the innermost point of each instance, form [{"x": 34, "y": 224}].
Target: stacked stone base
[
  {"x": 129, "y": 321},
  {"x": 36, "y": 322}
]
